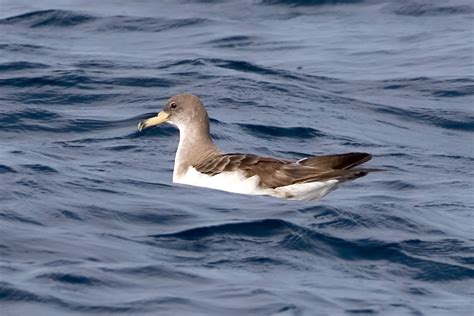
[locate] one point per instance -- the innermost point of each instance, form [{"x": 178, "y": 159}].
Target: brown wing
[
  {"x": 343, "y": 161},
  {"x": 276, "y": 173}
]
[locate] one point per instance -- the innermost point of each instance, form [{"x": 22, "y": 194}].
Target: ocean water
[{"x": 91, "y": 224}]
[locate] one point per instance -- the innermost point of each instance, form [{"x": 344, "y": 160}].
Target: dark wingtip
[
  {"x": 364, "y": 157},
  {"x": 338, "y": 161},
  {"x": 355, "y": 159}
]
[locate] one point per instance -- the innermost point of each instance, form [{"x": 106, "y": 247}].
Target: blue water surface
[{"x": 91, "y": 224}]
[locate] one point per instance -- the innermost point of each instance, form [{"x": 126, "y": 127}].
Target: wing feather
[
  {"x": 275, "y": 173},
  {"x": 342, "y": 161}
]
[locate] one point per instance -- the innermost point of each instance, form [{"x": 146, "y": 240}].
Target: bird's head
[{"x": 182, "y": 110}]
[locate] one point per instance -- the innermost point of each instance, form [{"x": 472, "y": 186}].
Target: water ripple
[
  {"x": 45, "y": 18},
  {"x": 275, "y": 131},
  {"x": 21, "y": 65},
  {"x": 288, "y": 236},
  {"x": 69, "y": 19}
]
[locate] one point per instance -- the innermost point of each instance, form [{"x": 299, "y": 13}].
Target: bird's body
[
  {"x": 237, "y": 182},
  {"x": 199, "y": 162}
]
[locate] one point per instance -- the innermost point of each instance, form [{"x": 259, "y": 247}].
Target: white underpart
[
  {"x": 236, "y": 182},
  {"x": 307, "y": 191}
]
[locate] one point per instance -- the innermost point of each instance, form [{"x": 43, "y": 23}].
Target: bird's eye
[{"x": 173, "y": 105}]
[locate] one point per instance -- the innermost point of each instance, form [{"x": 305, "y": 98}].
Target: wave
[
  {"x": 438, "y": 118},
  {"x": 58, "y": 97},
  {"x": 282, "y": 235},
  {"x": 156, "y": 271},
  {"x": 310, "y": 2},
  {"x": 448, "y": 88},
  {"x": 43, "y": 18},
  {"x": 419, "y": 8},
  {"x": 459, "y": 92},
  {"x": 234, "y": 41},
  {"x": 30, "y": 114},
  {"x": 69, "y": 19},
  {"x": 24, "y": 48},
  {"x": 415, "y": 8},
  {"x": 69, "y": 278},
  {"x": 398, "y": 185},
  {"x": 65, "y": 79},
  {"x": 21, "y": 65},
  {"x": 275, "y": 131},
  {"x": 133, "y": 24},
  {"x": 39, "y": 168},
  {"x": 287, "y": 78},
  {"x": 262, "y": 228},
  {"x": 48, "y": 121},
  {"x": 9, "y": 293},
  {"x": 140, "y": 82},
  {"x": 80, "y": 79},
  {"x": 11, "y": 216},
  {"x": 239, "y": 65},
  {"x": 6, "y": 169}
]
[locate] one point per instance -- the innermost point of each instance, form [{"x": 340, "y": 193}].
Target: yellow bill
[{"x": 162, "y": 117}]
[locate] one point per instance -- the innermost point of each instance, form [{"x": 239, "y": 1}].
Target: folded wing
[{"x": 275, "y": 173}]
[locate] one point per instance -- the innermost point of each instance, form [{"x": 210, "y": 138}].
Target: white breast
[{"x": 233, "y": 181}]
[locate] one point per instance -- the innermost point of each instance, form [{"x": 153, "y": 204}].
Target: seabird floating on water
[{"x": 199, "y": 162}]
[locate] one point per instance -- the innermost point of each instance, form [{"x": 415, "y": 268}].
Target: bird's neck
[{"x": 194, "y": 147}]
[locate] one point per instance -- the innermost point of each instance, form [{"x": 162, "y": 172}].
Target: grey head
[{"x": 185, "y": 111}]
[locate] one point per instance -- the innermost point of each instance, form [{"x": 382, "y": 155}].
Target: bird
[{"x": 199, "y": 162}]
